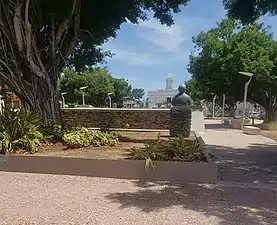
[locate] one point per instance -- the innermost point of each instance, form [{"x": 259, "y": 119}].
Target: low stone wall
[{"x": 118, "y": 118}]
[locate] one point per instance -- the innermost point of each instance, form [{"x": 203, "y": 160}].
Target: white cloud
[
  {"x": 167, "y": 38},
  {"x": 135, "y": 58}
]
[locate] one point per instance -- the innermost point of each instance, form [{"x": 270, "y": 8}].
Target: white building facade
[{"x": 160, "y": 96}]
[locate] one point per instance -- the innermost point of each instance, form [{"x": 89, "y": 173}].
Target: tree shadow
[
  {"x": 229, "y": 205},
  {"x": 256, "y": 164},
  {"x": 217, "y": 126}
]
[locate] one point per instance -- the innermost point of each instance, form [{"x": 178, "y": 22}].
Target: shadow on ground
[
  {"x": 217, "y": 126},
  {"x": 257, "y": 164},
  {"x": 229, "y": 205}
]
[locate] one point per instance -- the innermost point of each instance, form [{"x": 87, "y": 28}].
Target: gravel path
[{"x": 62, "y": 200}]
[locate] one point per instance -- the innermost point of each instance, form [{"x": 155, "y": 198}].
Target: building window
[{"x": 168, "y": 100}]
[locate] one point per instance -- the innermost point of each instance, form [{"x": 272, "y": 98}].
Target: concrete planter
[
  {"x": 197, "y": 121},
  {"x": 181, "y": 172},
  {"x": 236, "y": 123},
  {"x": 191, "y": 172},
  {"x": 268, "y": 126}
]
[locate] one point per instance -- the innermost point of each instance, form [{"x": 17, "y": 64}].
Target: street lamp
[
  {"x": 245, "y": 94},
  {"x": 64, "y": 93},
  {"x": 223, "y": 107},
  {"x": 214, "y": 98},
  {"x": 83, "y": 93},
  {"x": 110, "y": 99}
]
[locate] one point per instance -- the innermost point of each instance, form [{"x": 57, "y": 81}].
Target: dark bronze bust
[{"x": 182, "y": 99}]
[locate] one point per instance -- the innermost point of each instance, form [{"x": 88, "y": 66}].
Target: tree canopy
[
  {"x": 250, "y": 10},
  {"x": 99, "y": 85},
  {"x": 122, "y": 91},
  {"x": 137, "y": 93},
  {"x": 39, "y": 38},
  {"x": 229, "y": 48}
]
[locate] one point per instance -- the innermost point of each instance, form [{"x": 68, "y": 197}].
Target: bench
[{"x": 251, "y": 130}]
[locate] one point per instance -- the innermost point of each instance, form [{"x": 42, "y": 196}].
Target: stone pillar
[{"x": 180, "y": 121}]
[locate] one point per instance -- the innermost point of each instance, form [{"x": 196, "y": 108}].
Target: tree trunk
[
  {"x": 270, "y": 114},
  {"x": 42, "y": 99},
  {"x": 270, "y": 109}
]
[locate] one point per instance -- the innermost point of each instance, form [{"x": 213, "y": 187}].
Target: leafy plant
[
  {"x": 52, "y": 130},
  {"x": 19, "y": 130},
  {"x": 174, "y": 149},
  {"x": 83, "y": 137}
]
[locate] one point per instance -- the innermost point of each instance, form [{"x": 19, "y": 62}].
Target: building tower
[{"x": 169, "y": 82}]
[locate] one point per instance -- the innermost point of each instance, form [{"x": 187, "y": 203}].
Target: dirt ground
[
  {"x": 127, "y": 141},
  {"x": 272, "y": 134}
]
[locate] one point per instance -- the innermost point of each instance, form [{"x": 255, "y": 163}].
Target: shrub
[
  {"x": 52, "y": 130},
  {"x": 174, "y": 149},
  {"x": 19, "y": 130},
  {"x": 83, "y": 137}
]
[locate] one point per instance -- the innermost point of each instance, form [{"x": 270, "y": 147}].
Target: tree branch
[
  {"x": 27, "y": 12},
  {"x": 17, "y": 26},
  {"x": 64, "y": 24},
  {"x": 76, "y": 30}
]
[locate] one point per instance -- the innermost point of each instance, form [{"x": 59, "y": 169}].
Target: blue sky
[{"x": 147, "y": 52}]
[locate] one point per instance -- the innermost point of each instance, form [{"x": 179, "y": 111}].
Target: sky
[{"x": 147, "y": 52}]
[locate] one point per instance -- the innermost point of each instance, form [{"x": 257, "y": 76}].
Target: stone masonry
[
  {"x": 180, "y": 121},
  {"x": 118, "y": 118}
]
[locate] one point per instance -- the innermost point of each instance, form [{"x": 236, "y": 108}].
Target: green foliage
[
  {"x": 83, "y": 137},
  {"x": 227, "y": 49},
  {"x": 137, "y": 93},
  {"x": 52, "y": 130},
  {"x": 110, "y": 15},
  {"x": 194, "y": 91},
  {"x": 250, "y": 10},
  {"x": 19, "y": 130},
  {"x": 98, "y": 81},
  {"x": 63, "y": 34},
  {"x": 122, "y": 90},
  {"x": 174, "y": 149}
]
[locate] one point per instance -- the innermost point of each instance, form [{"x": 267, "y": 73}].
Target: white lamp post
[
  {"x": 214, "y": 98},
  {"x": 110, "y": 100},
  {"x": 63, "y": 98},
  {"x": 223, "y": 108},
  {"x": 245, "y": 94},
  {"x": 83, "y": 93}
]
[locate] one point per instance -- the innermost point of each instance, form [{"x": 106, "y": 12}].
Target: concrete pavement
[{"x": 241, "y": 157}]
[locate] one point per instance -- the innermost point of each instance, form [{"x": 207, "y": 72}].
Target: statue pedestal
[{"x": 180, "y": 121}]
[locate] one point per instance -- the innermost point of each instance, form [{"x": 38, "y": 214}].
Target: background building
[{"x": 162, "y": 96}]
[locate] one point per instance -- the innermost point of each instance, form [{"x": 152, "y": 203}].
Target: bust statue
[{"x": 182, "y": 99}]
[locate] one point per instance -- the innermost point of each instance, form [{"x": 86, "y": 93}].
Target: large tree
[
  {"x": 99, "y": 85},
  {"x": 230, "y": 48},
  {"x": 38, "y": 38},
  {"x": 122, "y": 90}
]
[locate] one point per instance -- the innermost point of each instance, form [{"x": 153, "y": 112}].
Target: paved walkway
[{"x": 241, "y": 157}]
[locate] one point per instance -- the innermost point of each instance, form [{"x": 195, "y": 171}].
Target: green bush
[
  {"x": 174, "y": 149},
  {"x": 52, "y": 130},
  {"x": 83, "y": 137},
  {"x": 19, "y": 130}
]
